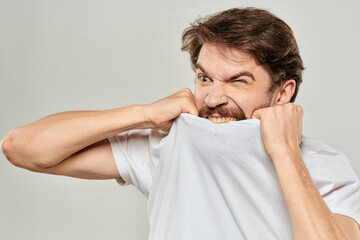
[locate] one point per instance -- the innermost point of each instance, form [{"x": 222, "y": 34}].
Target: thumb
[
  {"x": 191, "y": 109},
  {"x": 194, "y": 111}
]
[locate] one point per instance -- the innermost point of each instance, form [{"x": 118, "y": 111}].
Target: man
[{"x": 247, "y": 66}]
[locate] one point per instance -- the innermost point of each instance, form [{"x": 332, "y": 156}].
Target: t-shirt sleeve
[
  {"x": 136, "y": 154},
  {"x": 337, "y": 182}
]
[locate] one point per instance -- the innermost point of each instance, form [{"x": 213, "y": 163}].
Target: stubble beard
[{"x": 237, "y": 113}]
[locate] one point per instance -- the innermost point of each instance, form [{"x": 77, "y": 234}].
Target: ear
[{"x": 285, "y": 92}]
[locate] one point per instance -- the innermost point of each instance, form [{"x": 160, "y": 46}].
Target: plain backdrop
[{"x": 90, "y": 55}]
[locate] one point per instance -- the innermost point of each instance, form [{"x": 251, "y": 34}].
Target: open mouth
[{"x": 221, "y": 119}]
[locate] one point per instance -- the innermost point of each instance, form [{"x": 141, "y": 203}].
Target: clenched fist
[
  {"x": 281, "y": 128},
  {"x": 162, "y": 113}
]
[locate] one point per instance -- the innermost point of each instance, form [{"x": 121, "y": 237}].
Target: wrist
[
  {"x": 143, "y": 116},
  {"x": 283, "y": 153},
  {"x": 128, "y": 118},
  {"x": 149, "y": 119}
]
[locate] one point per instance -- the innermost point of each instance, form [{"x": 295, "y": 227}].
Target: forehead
[{"x": 226, "y": 53}]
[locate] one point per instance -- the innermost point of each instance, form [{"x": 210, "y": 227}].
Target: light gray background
[{"x": 86, "y": 54}]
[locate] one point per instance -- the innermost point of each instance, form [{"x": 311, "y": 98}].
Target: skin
[
  {"x": 81, "y": 149},
  {"x": 217, "y": 88}
]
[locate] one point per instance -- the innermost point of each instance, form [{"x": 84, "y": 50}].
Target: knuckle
[
  {"x": 186, "y": 90},
  {"x": 300, "y": 109},
  {"x": 292, "y": 106}
]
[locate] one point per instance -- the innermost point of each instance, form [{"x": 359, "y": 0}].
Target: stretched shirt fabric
[{"x": 215, "y": 181}]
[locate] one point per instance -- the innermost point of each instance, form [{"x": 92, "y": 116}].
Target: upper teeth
[{"x": 222, "y": 119}]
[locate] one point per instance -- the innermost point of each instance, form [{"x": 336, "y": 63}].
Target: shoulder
[
  {"x": 140, "y": 142},
  {"x": 312, "y": 149},
  {"x": 334, "y": 177},
  {"x": 150, "y": 135},
  {"x": 326, "y": 165}
]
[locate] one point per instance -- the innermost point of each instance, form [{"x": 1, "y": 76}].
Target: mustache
[{"x": 206, "y": 111}]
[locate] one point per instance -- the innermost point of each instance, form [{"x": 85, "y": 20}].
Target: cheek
[
  {"x": 247, "y": 101},
  {"x": 243, "y": 103}
]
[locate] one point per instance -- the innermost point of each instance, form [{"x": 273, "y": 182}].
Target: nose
[{"x": 216, "y": 96}]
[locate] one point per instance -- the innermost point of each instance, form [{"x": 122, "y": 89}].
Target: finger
[
  {"x": 193, "y": 110},
  {"x": 299, "y": 132},
  {"x": 300, "y": 123},
  {"x": 192, "y": 95},
  {"x": 190, "y": 103},
  {"x": 188, "y": 92},
  {"x": 189, "y": 107},
  {"x": 257, "y": 113}
]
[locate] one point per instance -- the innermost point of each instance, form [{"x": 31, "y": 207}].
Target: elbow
[
  {"x": 7, "y": 147},
  {"x": 15, "y": 151}
]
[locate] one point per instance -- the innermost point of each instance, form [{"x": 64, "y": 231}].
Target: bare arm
[
  {"x": 311, "y": 218},
  {"x": 281, "y": 130},
  {"x": 72, "y": 143},
  {"x": 48, "y": 141},
  {"x": 93, "y": 162},
  {"x": 64, "y": 143}
]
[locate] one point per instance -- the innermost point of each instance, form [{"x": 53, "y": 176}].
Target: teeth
[{"x": 222, "y": 119}]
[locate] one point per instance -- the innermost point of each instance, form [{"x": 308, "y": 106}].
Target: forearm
[
  {"x": 310, "y": 216},
  {"x": 48, "y": 141}
]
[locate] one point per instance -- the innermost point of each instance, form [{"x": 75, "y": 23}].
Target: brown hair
[{"x": 269, "y": 39}]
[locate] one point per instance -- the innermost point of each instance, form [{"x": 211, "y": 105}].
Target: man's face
[{"x": 230, "y": 85}]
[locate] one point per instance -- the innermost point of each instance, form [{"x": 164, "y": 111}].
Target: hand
[
  {"x": 161, "y": 114},
  {"x": 281, "y": 128}
]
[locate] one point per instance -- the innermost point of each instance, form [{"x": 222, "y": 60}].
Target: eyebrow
[{"x": 236, "y": 76}]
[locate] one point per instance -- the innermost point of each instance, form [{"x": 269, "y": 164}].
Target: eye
[
  {"x": 239, "y": 81},
  {"x": 204, "y": 79}
]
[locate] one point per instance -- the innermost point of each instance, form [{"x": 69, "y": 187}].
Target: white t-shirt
[{"x": 215, "y": 181}]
